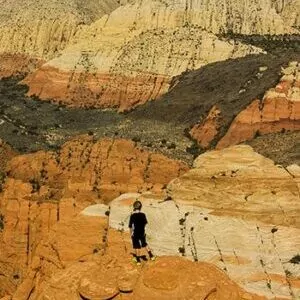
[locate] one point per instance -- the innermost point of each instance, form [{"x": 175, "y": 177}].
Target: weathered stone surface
[
  {"x": 68, "y": 242},
  {"x": 46, "y": 188},
  {"x": 12, "y": 64},
  {"x": 123, "y": 64},
  {"x": 167, "y": 278},
  {"x": 235, "y": 209},
  {"x": 32, "y": 31},
  {"x": 100, "y": 169},
  {"x": 6, "y": 153},
  {"x": 206, "y": 131},
  {"x": 98, "y": 276},
  {"x": 171, "y": 278},
  {"x": 278, "y": 111},
  {"x": 290, "y": 11}
]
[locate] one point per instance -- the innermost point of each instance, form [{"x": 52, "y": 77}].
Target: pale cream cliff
[
  {"x": 120, "y": 69},
  {"x": 290, "y": 11},
  {"x": 35, "y": 31},
  {"x": 129, "y": 56},
  {"x": 124, "y": 64}
]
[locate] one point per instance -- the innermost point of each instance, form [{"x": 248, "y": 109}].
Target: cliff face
[
  {"x": 39, "y": 30},
  {"x": 123, "y": 64},
  {"x": 204, "y": 132},
  {"x": 278, "y": 111},
  {"x": 290, "y": 11},
  {"x": 45, "y": 187},
  {"x": 104, "y": 69}
]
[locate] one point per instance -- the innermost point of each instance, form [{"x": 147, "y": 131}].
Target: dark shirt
[{"x": 137, "y": 223}]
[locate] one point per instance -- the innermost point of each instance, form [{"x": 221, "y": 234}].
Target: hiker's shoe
[
  {"x": 153, "y": 258},
  {"x": 136, "y": 261}
]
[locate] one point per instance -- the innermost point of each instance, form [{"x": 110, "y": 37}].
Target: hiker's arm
[{"x": 130, "y": 225}]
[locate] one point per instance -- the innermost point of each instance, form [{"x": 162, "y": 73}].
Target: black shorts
[{"x": 139, "y": 241}]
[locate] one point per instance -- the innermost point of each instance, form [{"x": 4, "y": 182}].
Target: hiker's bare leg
[
  {"x": 138, "y": 252},
  {"x": 149, "y": 252}
]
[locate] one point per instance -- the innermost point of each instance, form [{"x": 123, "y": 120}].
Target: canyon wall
[
  {"x": 124, "y": 64},
  {"x": 104, "y": 69}
]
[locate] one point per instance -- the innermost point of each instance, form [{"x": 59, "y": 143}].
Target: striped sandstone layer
[
  {"x": 36, "y": 31},
  {"x": 278, "y": 111},
  {"x": 121, "y": 68}
]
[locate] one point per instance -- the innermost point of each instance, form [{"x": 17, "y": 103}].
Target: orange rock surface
[
  {"x": 278, "y": 111},
  {"x": 17, "y": 64},
  {"x": 6, "y": 153},
  {"x": 86, "y": 89},
  {"x": 109, "y": 274},
  {"x": 44, "y": 188},
  {"x": 206, "y": 131}
]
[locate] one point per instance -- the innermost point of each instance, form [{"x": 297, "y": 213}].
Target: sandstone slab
[{"x": 235, "y": 209}]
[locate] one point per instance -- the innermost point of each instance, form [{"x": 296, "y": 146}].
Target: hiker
[{"x": 137, "y": 223}]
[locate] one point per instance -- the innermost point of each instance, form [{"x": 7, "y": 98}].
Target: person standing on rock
[{"x": 137, "y": 223}]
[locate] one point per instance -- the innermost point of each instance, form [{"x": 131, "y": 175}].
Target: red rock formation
[
  {"x": 95, "y": 89},
  {"x": 206, "y": 131},
  {"x": 109, "y": 273},
  {"x": 46, "y": 187},
  {"x": 18, "y": 64},
  {"x": 278, "y": 111},
  {"x": 6, "y": 153},
  {"x": 104, "y": 168}
]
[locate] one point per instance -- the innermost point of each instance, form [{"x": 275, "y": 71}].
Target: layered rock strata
[
  {"x": 109, "y": 63},
  {"x": 39, "y": 30},
  {"x": 235, "y": 209},
  {"x": 279, "y": 110},
  {"x": 44, "y": 188},
  {"x": 290, "y": 11},
  {"x": 205, "y": 132},
  {"x": 122, "y": 68}
]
